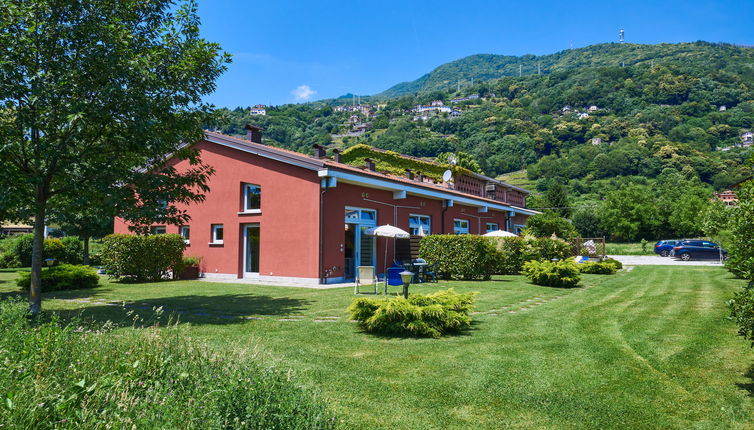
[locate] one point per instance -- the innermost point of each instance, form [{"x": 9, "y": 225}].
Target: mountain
[{"x": 485, "y": 67}]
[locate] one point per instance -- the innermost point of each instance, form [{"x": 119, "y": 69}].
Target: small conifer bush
[
  {"x": 561, "y": 274},
  {"x": 431, "y": 315}
]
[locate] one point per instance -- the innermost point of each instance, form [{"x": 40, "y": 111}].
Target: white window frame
[
  {"x": 185, "y": 232},
  {"x": 246, "y": 209},
  {"x": 487, "y": 227},
  {"x": 412, "y": 226},
  {"x": 214, "y": 228},
  {"x": 461, "y": 230},
  {"x": 154, "y": 229}
]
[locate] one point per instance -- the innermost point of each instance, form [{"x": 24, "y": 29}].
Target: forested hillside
[{"x": 659, "y": 122}]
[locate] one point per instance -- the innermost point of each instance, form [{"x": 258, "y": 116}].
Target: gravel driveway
[{"x": 656, "y": 260}]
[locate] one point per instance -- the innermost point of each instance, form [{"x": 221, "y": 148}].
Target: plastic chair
[{"x": 365, "y": 276}]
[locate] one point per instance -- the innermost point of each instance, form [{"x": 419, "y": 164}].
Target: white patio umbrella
[
  {"x": 500, "y": 233},
  {"x": 387, "y": 231}
]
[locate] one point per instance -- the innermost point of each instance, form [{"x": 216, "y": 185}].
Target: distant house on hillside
[
  {"x": 593, "y": 108},
  {"x": 436, "y": 103},
  {"x": 259, "y": 110},
  {"x": 728, "y": 197},
  {"x": 583, "y": 115},
  {"x": 723, "y": 108},
  {"x": 455, "y": 113},
  {"x": 747, "y": 138},
  {"x": 596, "y": 141},
  {"x": 566, "y": 108}
]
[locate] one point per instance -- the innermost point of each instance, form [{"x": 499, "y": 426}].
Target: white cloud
[{"x": 303, "y": 93}]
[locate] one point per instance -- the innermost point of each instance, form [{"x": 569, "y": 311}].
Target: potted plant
[{"x": 188, "y": 268}]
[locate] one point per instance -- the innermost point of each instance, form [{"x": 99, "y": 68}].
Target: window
[
  {"x": 416, "y": 222},
  {"x": 252, "y": 198},
  {"x": 460, "y": 226},
  {"x": 217, "y": 234},
  {"x": 491, "y": 226},
  {"x": 185, "y": 231},
  {"x": 158, "y": 229},
  {"x": 518, "y": 228}
]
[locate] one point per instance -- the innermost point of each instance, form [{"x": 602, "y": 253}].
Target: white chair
[{"x": 365, "y": 276}]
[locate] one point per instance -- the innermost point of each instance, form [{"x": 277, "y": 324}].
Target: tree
[
  {"x": 587, "y": 222},
  {"x": 549, "y": 223},
  {"x": 98, "y": 94},
  {"x": 631, "y": 213},
  {"x": 556, "y": 199},
  {"x": 741, "y": 247},
  {"x": 462, "y": 159}
]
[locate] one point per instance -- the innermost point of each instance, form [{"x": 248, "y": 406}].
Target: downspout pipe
[{"x": 322, "y": 277}]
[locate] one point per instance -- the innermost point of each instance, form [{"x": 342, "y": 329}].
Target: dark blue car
[
  {"x": 698, "y": 250},
  {"x": 664, "y": 247}
]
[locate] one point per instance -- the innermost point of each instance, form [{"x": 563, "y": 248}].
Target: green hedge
[
  {"x": 431, "y": 315},
  {"x": 18, "y": 251},
  {"x": 513, "y": 252},
  {"x": 63, "y": 277},
  {"x": 562, "y": 274},
  {"x": 460, "y": 256},
  {"x": 142, "y": 258}
]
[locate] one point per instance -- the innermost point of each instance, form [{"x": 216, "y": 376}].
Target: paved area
[
  {"x": 280, "y": 284},
  {"x": 656, "y": 260}
]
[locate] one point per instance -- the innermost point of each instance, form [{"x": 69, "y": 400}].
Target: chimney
[
  {"x": 489, "y": 190},
  {"x": 409, "y": 174},
  {"x": 336, "y": 155},
  {"x": 319, "y": 151},
  {"x": 370, "y": 164},
  {"x": 420, "y": 176},
  {"x": 253, "y": 133}
]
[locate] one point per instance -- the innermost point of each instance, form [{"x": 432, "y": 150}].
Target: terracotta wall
[{"x": 289, "y": 219}]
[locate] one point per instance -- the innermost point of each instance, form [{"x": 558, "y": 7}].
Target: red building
[{"x": 278, "y": 215}]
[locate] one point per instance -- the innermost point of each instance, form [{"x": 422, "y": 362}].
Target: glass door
[
  {"x": 359, "y": 248},
  {"x": 251, "y": 252}
]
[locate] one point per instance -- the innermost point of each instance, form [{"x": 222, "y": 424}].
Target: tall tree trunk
[
  {"x": 86, "y": 250},
  {"x": 35, "y": 291}
]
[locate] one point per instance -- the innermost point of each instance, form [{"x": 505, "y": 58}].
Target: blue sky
[{"x": 294, "y": 51}]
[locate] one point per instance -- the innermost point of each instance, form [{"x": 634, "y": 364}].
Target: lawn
[{"x": 649, "y": 348}]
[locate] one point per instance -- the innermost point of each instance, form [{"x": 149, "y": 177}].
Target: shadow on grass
[
  {"x": 388, "y": 336},
  {"x": 197, "y": 310},
  {"x": 748, "y": 386}
]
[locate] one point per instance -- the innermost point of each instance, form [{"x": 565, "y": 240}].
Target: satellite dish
[
  {"x": 447, "y": 176},
  {"x": 452, "y": 159}
]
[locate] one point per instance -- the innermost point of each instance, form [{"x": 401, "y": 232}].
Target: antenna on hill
[
  {"x": 519, "y": 70},
  {"x": 622, "y": 36},
  {"x": 570, "y": 44},
  {"x": 539, "y": 69},
  {"x": 458, "y": 87}
]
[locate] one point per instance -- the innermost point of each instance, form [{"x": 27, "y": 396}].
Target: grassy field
[
  {"x": 649, "y": 348},
  {"x": 628, "y": 249}
]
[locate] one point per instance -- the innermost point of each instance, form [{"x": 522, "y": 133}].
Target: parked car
[
  {"x": 698, "y": 250},
  {"x": 663, "y": 247}
]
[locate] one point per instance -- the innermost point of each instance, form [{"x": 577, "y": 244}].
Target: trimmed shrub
[
  {"x": 613, "y": 262},
  {"x": 460, "y": 256},
  {"x": 63, "y": 277},
  {"x": 431, "y": 315},
  {"x": 562, "y": 274},
  {"x": 8, "y": 260},
  {"x": 75, "y": 375},
  {"x": 597, "y": 268},
  {"x": 141, "y": 258},
  {"x": 511, "y": 253}
]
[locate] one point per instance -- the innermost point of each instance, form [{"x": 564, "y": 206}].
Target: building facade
[{"x": 278, "y": 215}]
